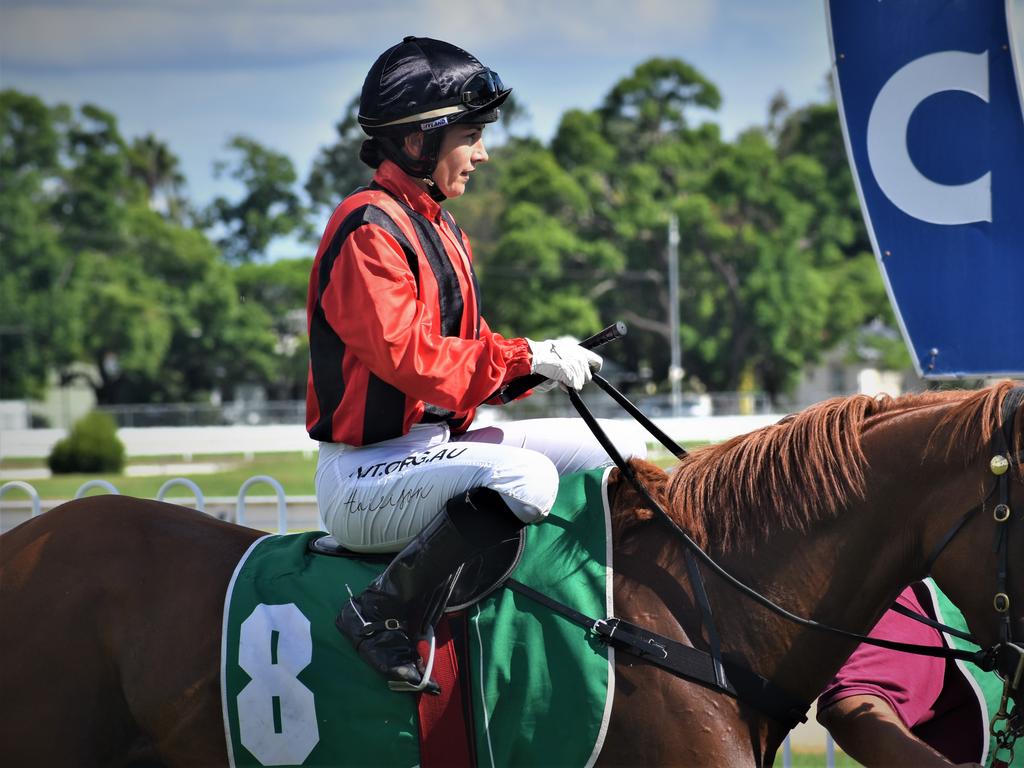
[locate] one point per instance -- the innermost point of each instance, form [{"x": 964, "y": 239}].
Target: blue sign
[{"x": 934, "y": 128}]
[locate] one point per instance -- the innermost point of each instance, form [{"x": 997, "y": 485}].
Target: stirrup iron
[{"x": 425, "y": 681}]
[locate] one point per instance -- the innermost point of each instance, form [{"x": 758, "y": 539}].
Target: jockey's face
[{"x": 462, "y": 149}]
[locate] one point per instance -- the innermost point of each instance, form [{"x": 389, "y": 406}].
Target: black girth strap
[{"x": 682, "y": 660}]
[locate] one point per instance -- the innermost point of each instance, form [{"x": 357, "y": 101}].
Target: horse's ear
[{"x": 625, "y": 499}]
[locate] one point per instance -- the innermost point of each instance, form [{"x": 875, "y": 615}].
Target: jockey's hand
[{"x": 564, "y": 361}]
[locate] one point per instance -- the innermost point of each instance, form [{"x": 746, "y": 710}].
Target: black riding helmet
[{"x": 423, "y": 84}]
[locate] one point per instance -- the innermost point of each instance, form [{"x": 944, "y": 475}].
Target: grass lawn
[
  {"x": 816, "y": 760},
  {"x": 293, "y": 470}
]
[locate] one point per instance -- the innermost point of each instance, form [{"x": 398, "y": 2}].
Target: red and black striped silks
[{"x": 395, "y": 332}]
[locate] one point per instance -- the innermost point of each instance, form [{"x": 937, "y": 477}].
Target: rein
[
  {"x": 983, "y": 658},
  {"x": 711, "y": 669}
]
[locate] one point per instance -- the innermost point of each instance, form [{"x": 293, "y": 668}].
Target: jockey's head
[{"x": 423, "y": 86}]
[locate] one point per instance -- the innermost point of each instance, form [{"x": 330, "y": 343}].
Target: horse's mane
[{"x": 811, "y": 465}]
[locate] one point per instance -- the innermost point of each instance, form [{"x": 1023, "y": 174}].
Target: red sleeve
[
  {"x": 909, "y": 683},
  {"x": 372, "y": 305},
  {"x": 516, "y": 351}
]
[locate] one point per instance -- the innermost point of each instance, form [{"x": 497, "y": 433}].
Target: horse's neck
[{"x": 844, "y": 572}]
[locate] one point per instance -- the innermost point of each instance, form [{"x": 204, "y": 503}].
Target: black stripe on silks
[
  {"x": 378, "y": 217},
  {"x": 479, "y": 298},
  {"x": 472, "y": 272},
  {"x": 385, "y": 410},
  {"x": 348, "y": 225},
  {"x": 326, "y": 354},
  {"x": 366, "y": 214},
  {"x": 326, "y": 349},
  {"x": 449, "y": 294},
  {"x": 455, "y": 228}
]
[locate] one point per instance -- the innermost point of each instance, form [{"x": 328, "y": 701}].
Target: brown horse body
[{"x": 111, "y": 607}]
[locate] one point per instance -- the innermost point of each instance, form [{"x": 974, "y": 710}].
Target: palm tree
[{"x": 158, "y": 169}]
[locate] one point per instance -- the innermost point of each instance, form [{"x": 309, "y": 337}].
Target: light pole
[{"x": 675, "y": 368}]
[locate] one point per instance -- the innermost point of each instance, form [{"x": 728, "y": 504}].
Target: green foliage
[
  {"x": 337, "y": 170},
  {"x": 279, "y": 291},
  {"x": 151, "y": 162},
  {"x": 33, "y": 272},
  {"x": 103, "y": 261},
  {"x": 101, "y": 275},
  {"x": 91, "y": 446},
  {"x": 269, "y": 208}
]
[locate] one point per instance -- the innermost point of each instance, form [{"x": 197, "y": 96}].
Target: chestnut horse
[{"x": 111, "y": 607}]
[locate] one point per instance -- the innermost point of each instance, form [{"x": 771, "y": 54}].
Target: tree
[
  {"x": 91, "y": 274},
  {"x": 337, "y": 170},
  {"x": 269, "y": 207},
  {"x": 634, "y": 157},
  {"x": 152, "y": 163},
  {"x": 810, "y": 142},
  {"x": 33, "y": 327},
  {"x": 772, "y": 265},
  {"x": 279, "y": 290},
  {"x": 651, "y": 103}
]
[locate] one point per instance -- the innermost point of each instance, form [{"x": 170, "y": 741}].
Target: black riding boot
[{"x": 384, "y": 621}]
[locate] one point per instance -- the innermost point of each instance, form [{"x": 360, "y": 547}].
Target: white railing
[
  {"x": 196, "y": 491},
  {"x": 240, "y": 512},
  {"x": 29, "y": 489},
  {"x": 282, "y": 503},
  {"x": 88, "y": 485},
  {"x": 830, "y": 752}
]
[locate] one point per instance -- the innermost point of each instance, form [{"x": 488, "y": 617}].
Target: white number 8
[{"x": 276, "y": 713}]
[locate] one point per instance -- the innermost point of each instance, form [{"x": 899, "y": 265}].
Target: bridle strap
[
  {"x": 983, "y": 658},
  {"x": 910, "y": 613},
  {"x": 1013, "y": 400},
  {"x": 952, "y": 532}
]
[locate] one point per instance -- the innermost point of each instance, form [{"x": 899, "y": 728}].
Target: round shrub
[{"x": 91, "y": 446}]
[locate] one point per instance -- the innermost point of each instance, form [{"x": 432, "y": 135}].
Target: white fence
[
  {"x": 266, "y": 512},
  {"x": 285, "y": 438}
]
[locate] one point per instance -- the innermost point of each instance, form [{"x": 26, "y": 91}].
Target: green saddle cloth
[{"x": 295, "y": 693}]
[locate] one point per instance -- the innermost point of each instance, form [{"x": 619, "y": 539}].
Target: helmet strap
[{"x": 421, "y": 167}]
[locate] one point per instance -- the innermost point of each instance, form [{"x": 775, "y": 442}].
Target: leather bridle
[{"x": 1005, "y": 657}]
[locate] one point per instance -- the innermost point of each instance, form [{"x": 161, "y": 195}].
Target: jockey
[{"x": 400, "y": 358}]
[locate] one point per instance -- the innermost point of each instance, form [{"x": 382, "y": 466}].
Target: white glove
[{"x": 564, "y": 361}]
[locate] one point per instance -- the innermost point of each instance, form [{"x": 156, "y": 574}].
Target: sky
[{"x": 195, "y": 72}]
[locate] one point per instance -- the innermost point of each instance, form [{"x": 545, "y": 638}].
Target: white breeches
[{"x": 375, "y": 498}]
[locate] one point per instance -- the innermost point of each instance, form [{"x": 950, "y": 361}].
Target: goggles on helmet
[{"x": 481, "y": 88}]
